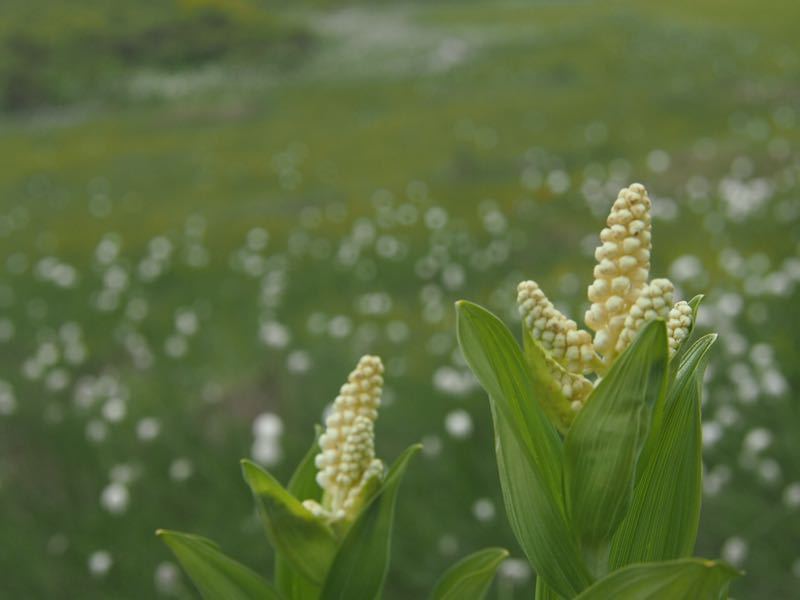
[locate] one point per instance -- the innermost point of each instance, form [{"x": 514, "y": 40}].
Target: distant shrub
[{"x": 50, "y": 60}]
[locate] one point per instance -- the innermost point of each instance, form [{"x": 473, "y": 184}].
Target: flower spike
[
  {"x": 560, "y": 336},
  {"x": 568, "y": 350},
  {"x": 347, "y": 467},
  {"x": 623, "y": 267}
]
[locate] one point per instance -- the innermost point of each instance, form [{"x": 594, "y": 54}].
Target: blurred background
[{"x": 209, "y": 209}]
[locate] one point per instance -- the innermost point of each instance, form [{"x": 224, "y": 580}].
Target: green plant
[
  {"x": 601, "y": 474},
  {"x": 598, "y": 446},
  {"x": 331, "y": 528}
]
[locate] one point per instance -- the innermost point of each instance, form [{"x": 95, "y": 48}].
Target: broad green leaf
[
  {"x": 305, "y": 542},
  {"x": 528, "y": 449},
  {"x": 303, "y": 486},
  {"x": 603, "y": 445},
  {"x": 360, "y": 566},
  {"x": 689, "y": 578},
  {"x": 215, "y": 575},
  {"x": 545, "y": 592},
  {"x": 662, "y": 521},
  {"x": 470, "y": 577}
]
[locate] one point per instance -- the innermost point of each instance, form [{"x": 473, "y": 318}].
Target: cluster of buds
[
  {"x": 346, "y": 465},
  {"x": 569, "y": 350},
  {"x": 623, "y": 266},
  {"x": 622, "y": 301},
  {"x": 679, "y": 322},
  {"x": 654, "y": 302}
]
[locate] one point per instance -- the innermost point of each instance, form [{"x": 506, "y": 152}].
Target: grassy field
[{"x": 192, "y": 240}]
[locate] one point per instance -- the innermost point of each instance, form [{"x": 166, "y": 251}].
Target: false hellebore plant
[
  {"x": 331, "y": 527},
  {"x": 598, "y": 436}
]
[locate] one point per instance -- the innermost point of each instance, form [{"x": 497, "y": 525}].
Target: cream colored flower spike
[
  {"x": 622, "y": 270},
  {"x": 654, "y": 302},
  {"x": 569, "y": 351},
  {"x": 569, "y": 346},
  {"x": 678, "y": 325},
  {"x": 347, "y": 448}
]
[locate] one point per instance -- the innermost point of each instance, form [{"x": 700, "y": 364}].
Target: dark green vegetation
[{"x": 400, "y": 157}]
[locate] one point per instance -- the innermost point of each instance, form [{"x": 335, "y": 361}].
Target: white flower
[{"x": 346, "y": 463}]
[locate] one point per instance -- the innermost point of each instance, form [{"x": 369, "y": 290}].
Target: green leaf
[
  {"x": 528, "y": 449},
  {"x": 694, "y": 304},
  {"x": 553, "y": 402},
  {"x": 664, "y": 515},
  {"x": 360, "y": 566},
  {"x": 306, "y": 543},
  {"x": 215, "y": 575},
  {"x": 603, "y": 445},
  {"x": 545, "y": 592},
  {"x": 690, "y": 578},
  {"x": 303, "y": 486},
  {"x": 470, "y": 577},
  {"x": 303, "y": 483}
]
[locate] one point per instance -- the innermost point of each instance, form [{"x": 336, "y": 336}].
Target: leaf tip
[{"x": 248, "y": 469}]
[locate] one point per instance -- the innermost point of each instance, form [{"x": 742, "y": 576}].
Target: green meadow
[{"x": 210, "y": 210}]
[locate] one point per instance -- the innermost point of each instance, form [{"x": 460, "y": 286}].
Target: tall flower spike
[
  {"x": 346, "y": 463},
  {"x": 568, "y": 350},
  {"x": 571, "y": 347},
  {"x": 654, "y": 302},
  {"x": 622, "y": 270},
  {"x": 679, "y": 323}
]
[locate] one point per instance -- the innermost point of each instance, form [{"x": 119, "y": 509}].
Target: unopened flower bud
[
  {"x": 569, "y": 346},
  {"x": 679, "y": 323},
  {"x": 653, "y": 302}
]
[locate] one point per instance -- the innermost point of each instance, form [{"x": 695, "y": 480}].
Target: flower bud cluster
[
  {"x": 679, "y": 323},
  {"x": 346, "y": 461},
  {"x": 576, "y": 388},
  {"x": 569, "y": 351},
  {"x": 653, "y": 302},
  {"x": 622, "y": 301},
  {"x": 623, "y": 267},
  {"x": 570, "y": 346}
]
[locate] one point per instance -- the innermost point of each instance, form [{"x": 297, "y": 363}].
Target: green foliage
[
  {"x": 688, "y": 578},
  {"x": 650, "y": 499},
  {"x": 304, "y": 541},
  {"x": 206, "y": 153},
  {"x": 663, "y": 518},
  {"x": 315, "y": 561},
  {"x": 601, "y": 450},
  {"x": 360, "y": 566},
  {"x": 303, "y": 484},
  {"x": 217, "y": 576},
  {"x": 529, "y": 451},
  {"x": 470, "y": 577}
]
